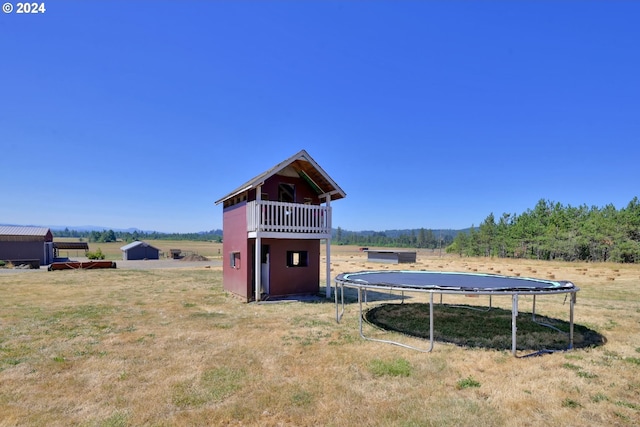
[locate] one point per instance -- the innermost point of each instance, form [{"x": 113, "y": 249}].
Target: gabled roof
[
  {"x": 13, "y": 230},
  {"x": 307, "y": 168},
  {"x": 14, "y": 233},
  {"x": 136, "y": 244}
]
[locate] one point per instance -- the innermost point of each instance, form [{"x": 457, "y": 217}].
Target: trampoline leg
[
  {"x": 335, "y": 295},
  {"x": 360, "y": 305},
  {"x": 533, "y": 315},
  {"x": 514, "y": 326},
  {"x": 395, "y": 342},
  {"x": 339, "y": 313},
  {"x": 431, "y": 320},
  {"x": 572, "y": 301}
]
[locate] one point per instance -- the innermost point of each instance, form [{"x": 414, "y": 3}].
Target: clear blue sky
[{"x": 428, "y": 114}]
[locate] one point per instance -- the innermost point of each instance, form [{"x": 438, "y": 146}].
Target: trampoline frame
[{"x": 341, "y": 281}]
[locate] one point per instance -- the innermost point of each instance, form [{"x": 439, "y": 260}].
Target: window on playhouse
[
  {"x": 234, "y": 260},
  {"x": 286, "y": 192},
  {"x": 297, "y": 259}
]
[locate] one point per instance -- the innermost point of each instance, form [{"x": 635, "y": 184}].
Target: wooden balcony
[{"x": 288, "y": 220}]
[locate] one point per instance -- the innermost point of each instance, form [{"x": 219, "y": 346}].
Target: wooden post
[
  {"x": 258, "y": 248},
  {"x": 328, "y": 250}
]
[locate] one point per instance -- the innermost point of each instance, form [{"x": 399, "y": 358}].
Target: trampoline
[{"x": 437, "y": 282}]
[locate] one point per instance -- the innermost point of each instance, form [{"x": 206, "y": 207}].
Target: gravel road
[{"x": 132, "y": 265}]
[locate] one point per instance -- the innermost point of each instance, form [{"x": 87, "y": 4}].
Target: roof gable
[
  {"x": 135, "y": 245},
  {"x": 300, "y": 164},
  {"x": 11, "y": 232}
]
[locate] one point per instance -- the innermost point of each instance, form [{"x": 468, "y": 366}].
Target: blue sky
[{"x": 428, "y": 114}]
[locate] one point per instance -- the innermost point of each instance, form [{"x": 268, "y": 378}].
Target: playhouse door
[{"x": 264, "y": 270}]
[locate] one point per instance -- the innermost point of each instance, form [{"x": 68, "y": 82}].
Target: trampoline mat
[{"x": 437, "y": 280}]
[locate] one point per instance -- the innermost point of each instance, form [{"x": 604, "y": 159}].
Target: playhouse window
[
  {"x": 297, "y": 259},
  {"x": 234, "y": 260},
  {"x": 286, "y": 193}
]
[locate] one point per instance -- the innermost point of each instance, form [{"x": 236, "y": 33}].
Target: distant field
[
  {"x": 112, "y": 249},
  {"x": 169, "y": 347}
]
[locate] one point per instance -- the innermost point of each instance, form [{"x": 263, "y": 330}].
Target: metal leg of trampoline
[
  {"x": 546, "y": 325},
  {"x": 395, "y": 342},
  {"x": 514, "y": 326},
  {"x": 339, "y": 314},
  {"x": 533, "y": 314},
  {"x": 572, "y": 301}
]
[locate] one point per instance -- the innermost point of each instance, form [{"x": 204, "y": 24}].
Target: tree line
[
  {"x": 552, "y": 231},
  {"x": 415, "y": 238},
  {"x": 128, "y": 236}
]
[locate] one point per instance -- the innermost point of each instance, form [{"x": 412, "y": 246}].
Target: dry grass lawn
[{"x": 169, "y": 347}]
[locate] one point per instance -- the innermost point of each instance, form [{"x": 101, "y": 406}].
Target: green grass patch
[
  {"x": 599, "y": 397},
  {"x": 222, "y": 382},
  {"x": 394, "y": 368},
  {"x": 186, "y": 394},
  {"x": 585, "y": 374},
  {"x": 214, "y": 385},
  {"x": 301, "y": 398},
  {"x": 117, "y": 419},
  {"x": 468, "y": 382},
  {"x": 571, "y": 366},
  {"x": 308, "y": 338},
  {"x": 632, "y": 360},
  {"x": 570, "y": 403},
  {"x": 634, "y": 406}
]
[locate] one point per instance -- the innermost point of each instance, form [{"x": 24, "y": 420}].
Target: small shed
[
  {"x": 139, "y": 250},
  {"x": 28, "y": 245},
  {"x": 391, "y": 257}
]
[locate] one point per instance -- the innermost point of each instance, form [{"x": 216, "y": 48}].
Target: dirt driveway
[{"x": 150, "y": 264}]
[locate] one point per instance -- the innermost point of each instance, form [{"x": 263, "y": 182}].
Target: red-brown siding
[
  {"x": 285, "y": 280},
  {"x": 303, "y": 190},
  {"x": 236, "y": 280}
]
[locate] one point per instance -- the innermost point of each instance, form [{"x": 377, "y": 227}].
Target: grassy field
[
  {"x": 112, "y": 251},
  {"x": 169, "y": 347}
]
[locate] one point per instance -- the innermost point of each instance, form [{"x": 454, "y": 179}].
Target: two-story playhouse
[{"x": 272, "y": 230}]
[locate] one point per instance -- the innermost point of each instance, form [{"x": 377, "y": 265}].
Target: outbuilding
[
  {"x": 139, "y": 250},
  {"x": 391, "y": 257},
  {"x": 26, "y": 245}
]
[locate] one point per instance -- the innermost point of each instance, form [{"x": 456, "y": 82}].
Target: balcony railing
[{"x": 279, "y": 217}]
